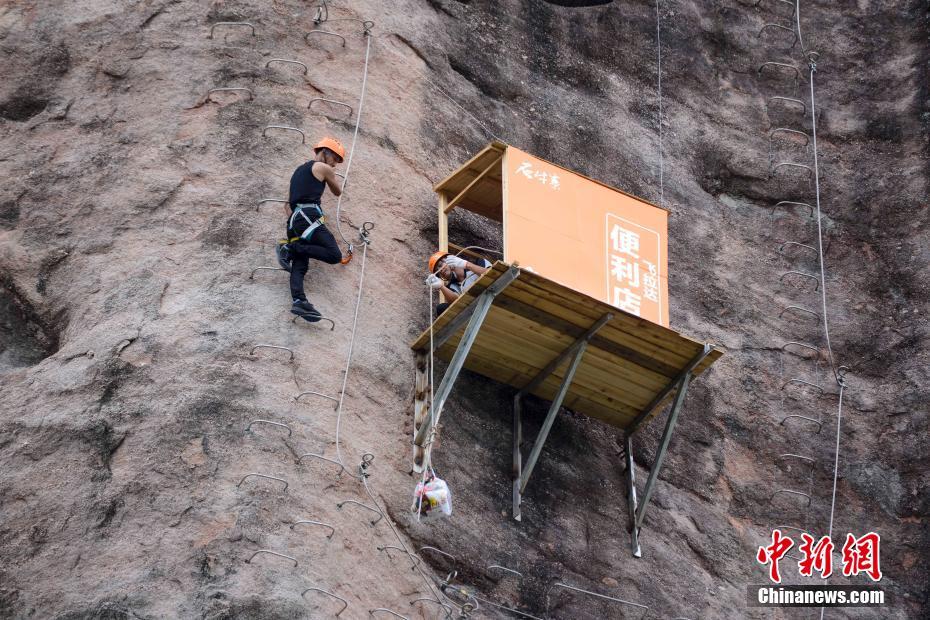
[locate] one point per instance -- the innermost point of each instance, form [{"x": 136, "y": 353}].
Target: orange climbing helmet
[
  {"x": 333, "y": 145},
  {"x": 435, "y": 258}
]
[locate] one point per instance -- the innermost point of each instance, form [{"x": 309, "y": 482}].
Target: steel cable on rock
[
  {"x": 659, "y": 94},
  {"x": 838, "y": 373}
]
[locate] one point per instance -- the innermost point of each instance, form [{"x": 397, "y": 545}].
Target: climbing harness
[{"x": 313, "y": 222}]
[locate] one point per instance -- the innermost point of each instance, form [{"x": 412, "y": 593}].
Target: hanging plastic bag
[{"x": 432, "y": 499}]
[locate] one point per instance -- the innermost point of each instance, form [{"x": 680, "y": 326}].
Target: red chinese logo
[
  {"x": 860, "y": 555},
  {"x": 817, "y": 557},
  {"x": 773, "y": 553}
]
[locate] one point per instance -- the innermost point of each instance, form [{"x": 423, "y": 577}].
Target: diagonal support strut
[
  {"x": 478, "y": 310},
  {"x": 521, "y": 475}
]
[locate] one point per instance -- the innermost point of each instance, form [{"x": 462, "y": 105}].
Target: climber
[
  {"x": 307, "y": 235},
  {"x": 452, "y": 275}
]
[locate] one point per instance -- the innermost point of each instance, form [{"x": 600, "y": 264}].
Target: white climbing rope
[
  {"x": 358, "y": 121},
  {"x": 361, "y": 287},
  {"x": 345, "y": 374}
]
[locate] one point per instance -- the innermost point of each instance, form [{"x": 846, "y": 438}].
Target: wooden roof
[
  {"x": 627, "y": 364},
  {"x": 487, "y": 196}
]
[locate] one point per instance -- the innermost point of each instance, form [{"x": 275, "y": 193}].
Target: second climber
[
  {"x": 307, "y": 235},
  {"x": 452, "y": 275}
]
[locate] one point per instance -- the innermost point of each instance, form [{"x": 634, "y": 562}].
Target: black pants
[{"x": 321, "y": 246}]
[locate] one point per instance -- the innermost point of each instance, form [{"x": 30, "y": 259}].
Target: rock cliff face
[{"x": 129, "y": 230}]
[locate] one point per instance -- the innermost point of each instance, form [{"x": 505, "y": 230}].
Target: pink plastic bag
[{"x": 432, "y": 499}]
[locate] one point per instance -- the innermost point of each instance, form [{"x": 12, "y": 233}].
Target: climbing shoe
[
  {"x": 305, "y": 310},
  {"x": 283, "y": 252}
]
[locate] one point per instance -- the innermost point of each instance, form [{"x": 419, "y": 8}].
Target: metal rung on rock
[
  {"x": 802, "y": 382},
  {"x": 505, "y": 569},
  {"x": 335, "y": 400},
  {"x": 274, "y": 553},
  {"x": 332, "y": 102},
  {"x": 440, "y": 552},
  {"x": 792, "y": 492},
  {"x": 372, "y": 612},
  {"x": 417, "y": 559},
  {"x": 257, "y": 269},
  {"x": 802, "y": 345},
  {"x": 322, "y": 318},
  {"x": 788, "y": 131},
  {"x": 257, "y": 475},
  {"x": 287, "y": 62},
  {"x": 365, "y": 506},
  {"x": 324, "y": 32},
  {"x": 800, "y": 309},
  {"x": 785, "y": 101},
  {"x": 796, "y": 456},
  {"x": 320, "y": 523},
  {"x": 803, "y": 275},
  {"x": 367, "y": 24},
  {"x": 790, "y": 164},
  {"x": 320, "y": 457},
  {"x": 303, "y": 137},
  {"x": 270, "y": 422},
  {"x": 785, "y": 244},
  {"x": 802, "y": 417},
  {"x": 781, "y": 66},
  {"x": 791, "y": 203},
  {"x": 345, "y": 603}
]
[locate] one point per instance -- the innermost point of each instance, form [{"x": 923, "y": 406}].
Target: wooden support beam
[
  {"x": 663, "y": 449},
  {"x": 481, "y": 306},
  {"x": 517, "y": 473},
  {"x": 451, "y": 204},
  {"x": 550, "y": 417},
  {"x": 686, "y": 372},
  {"x": 443, "y": 222},
  {"x": 561, "y": 357},
  {"x": 420, "y": 406},
  {"x": 631, "y": 496}
]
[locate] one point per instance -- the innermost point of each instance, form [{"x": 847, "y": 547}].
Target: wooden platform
[{"x": 628, "y": 364}]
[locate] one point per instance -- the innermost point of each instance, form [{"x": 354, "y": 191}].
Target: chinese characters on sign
[
  {"x": 526, "y": 169},
  {"x": 633, "y": 274},
  {"x": 860, "y": 555}
]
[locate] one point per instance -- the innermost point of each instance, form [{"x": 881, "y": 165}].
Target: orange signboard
[{"x": 586, "y": 235}]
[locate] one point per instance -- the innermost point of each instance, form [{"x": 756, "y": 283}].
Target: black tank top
[{"x": 306, "y": 188}]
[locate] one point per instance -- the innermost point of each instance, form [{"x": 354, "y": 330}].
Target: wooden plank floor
[{"x": 627, "y": 363}]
